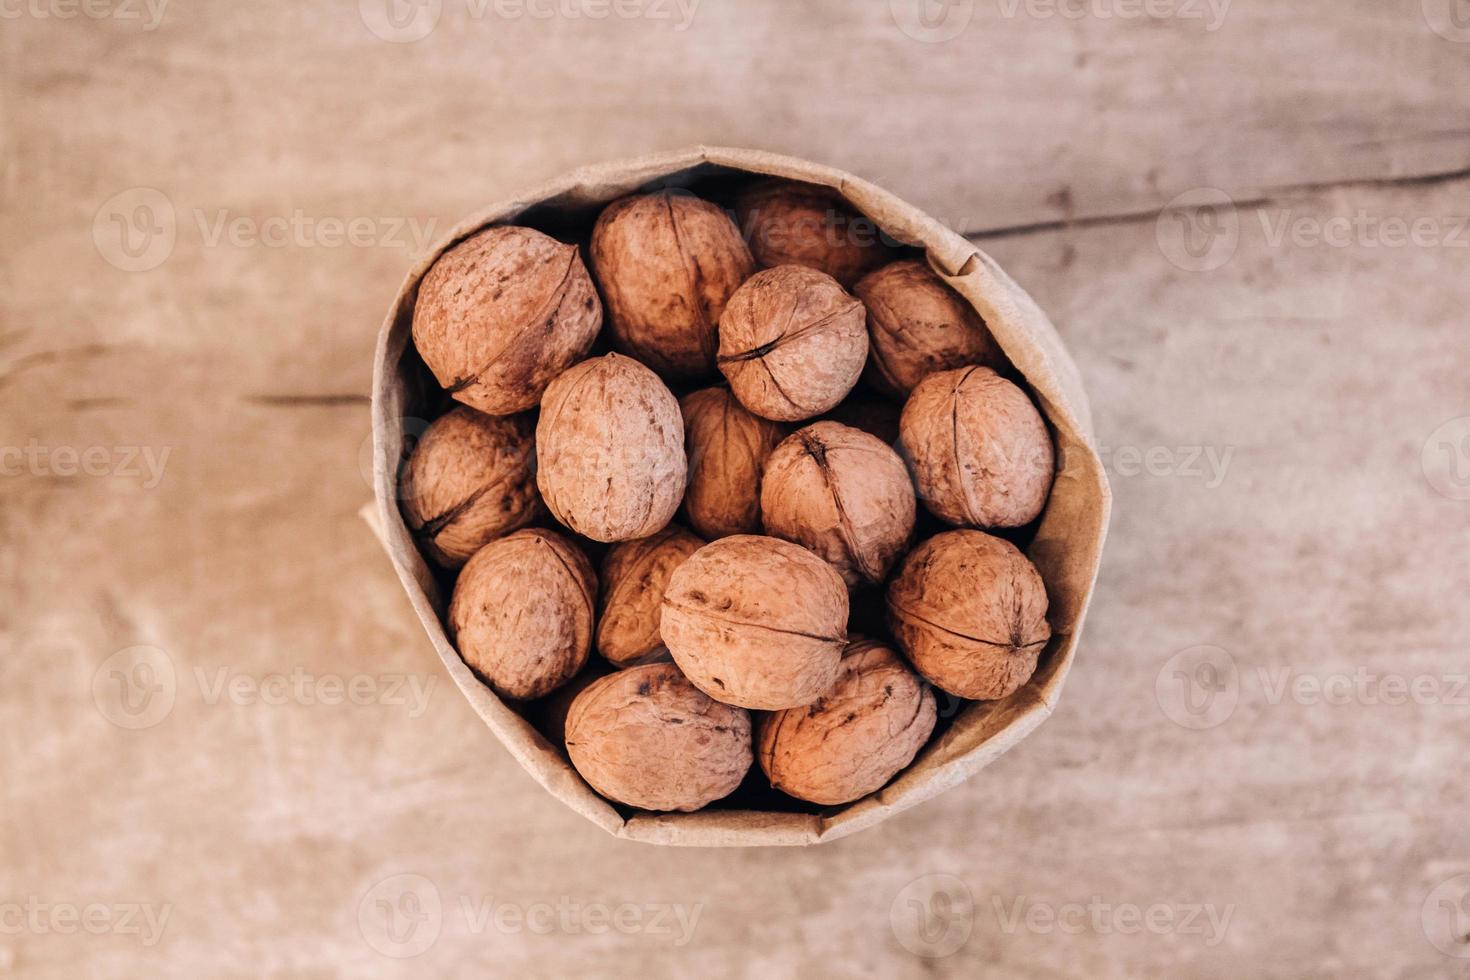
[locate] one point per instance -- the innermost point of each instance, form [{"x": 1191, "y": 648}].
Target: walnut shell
[
  {"x": 852, "y": 740},
  {"x": 917, "y": 325},
  {"x": 980, "y": 451},
  {"x": 969, "y": 610},
  {"x": 667, "y": 264},
  {"x": 521, "y": 614},
  {"x": 610, "y": 443},
  {"x": 791, "y": 223},
  {"x": 501, "y": 314},
  {"x": 471, "y": 479},
  {"x": 648, "y": 738},
  {"x": 844, "y": 495},
  {"x": 727, "y": 448},
  {"x": 792, "y": 343},
  {"x": 634, "y": 576},
  {"x": 757, "y": 622}
]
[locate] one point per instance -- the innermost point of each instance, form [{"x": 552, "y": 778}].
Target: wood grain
[{"x": 1289, "y": 393}]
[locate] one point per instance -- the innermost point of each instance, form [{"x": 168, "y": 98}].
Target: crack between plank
[
  {"x": 1272, "y": 196},
  {"x": 302, "y": 401}
]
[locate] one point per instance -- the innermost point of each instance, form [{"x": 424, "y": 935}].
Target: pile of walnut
[{"x": 724, "y": 638}]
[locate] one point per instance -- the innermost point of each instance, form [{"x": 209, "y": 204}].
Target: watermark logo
[
  {"x": 1199, "y": 230},
  {"x": 1199, "y": 687},
  {"x": 138, "y": 687},
  {"x": 1102, "y": 918},
  {"x": 933, "y": 916},
  {"x": 149, "y": 11},
  {"x": 1286, "y": 227},
  {"x": 135, "y": 687},
  {"x": 675, "y": 921},
  {"x": 143, "y": 920},
  {"x": 400, "y": 21},
  {"x": 407, "y": 21},
  {"x": 299, "y": 687},
  {"x": 1211, "y": 13},
  {"x": 1450, "y": 19},
  {"x": 302, "y": 230},
  {"x": 1446, "y": 917},
  {"x": 401, "y": 916},
  {"x": 932, "y": 21},
  {"x": 1445, "y": 459},
  {"x": 141, "y": 462},
  {"x": 136, "y": 229},
  {"x": 1362, "y": 687},
  {"x": 1207, "y": 464}
]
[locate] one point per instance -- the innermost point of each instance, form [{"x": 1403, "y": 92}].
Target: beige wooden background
[{"x": 1281, "y": 386}]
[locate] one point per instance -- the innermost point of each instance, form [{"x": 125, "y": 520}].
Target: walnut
[
  {"x": 970, "y": 611},
  {"x": 980, "y": 451},
  {"x": 852, "y": 740},
  {"x": 727, "y": 448},
  {"x": 667, "y": 264},
  {"x": 521, "y": 614},
  {"x": 917, "y": 325},
  {"x": 634, "y": 576},
  {"x": 792, "y": 343},
  {"x": 790, "y": 223},
  {"x": 501, "y": 314},
  {"x": 757, "y": 622},
  {"x": 470, "y": 479},
  {"x": 648, "y": 738},
  {"x": 610, "y": 443},
  {"x": 844, "y": 495}
]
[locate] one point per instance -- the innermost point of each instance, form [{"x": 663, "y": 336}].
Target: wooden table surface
[{"x": 1258, "y": 767}]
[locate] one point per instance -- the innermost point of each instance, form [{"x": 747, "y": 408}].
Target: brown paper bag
[{"x": 1066, "y": 548}]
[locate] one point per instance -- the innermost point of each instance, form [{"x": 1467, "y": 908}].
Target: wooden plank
[{"x": 1267, "y": 411}]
